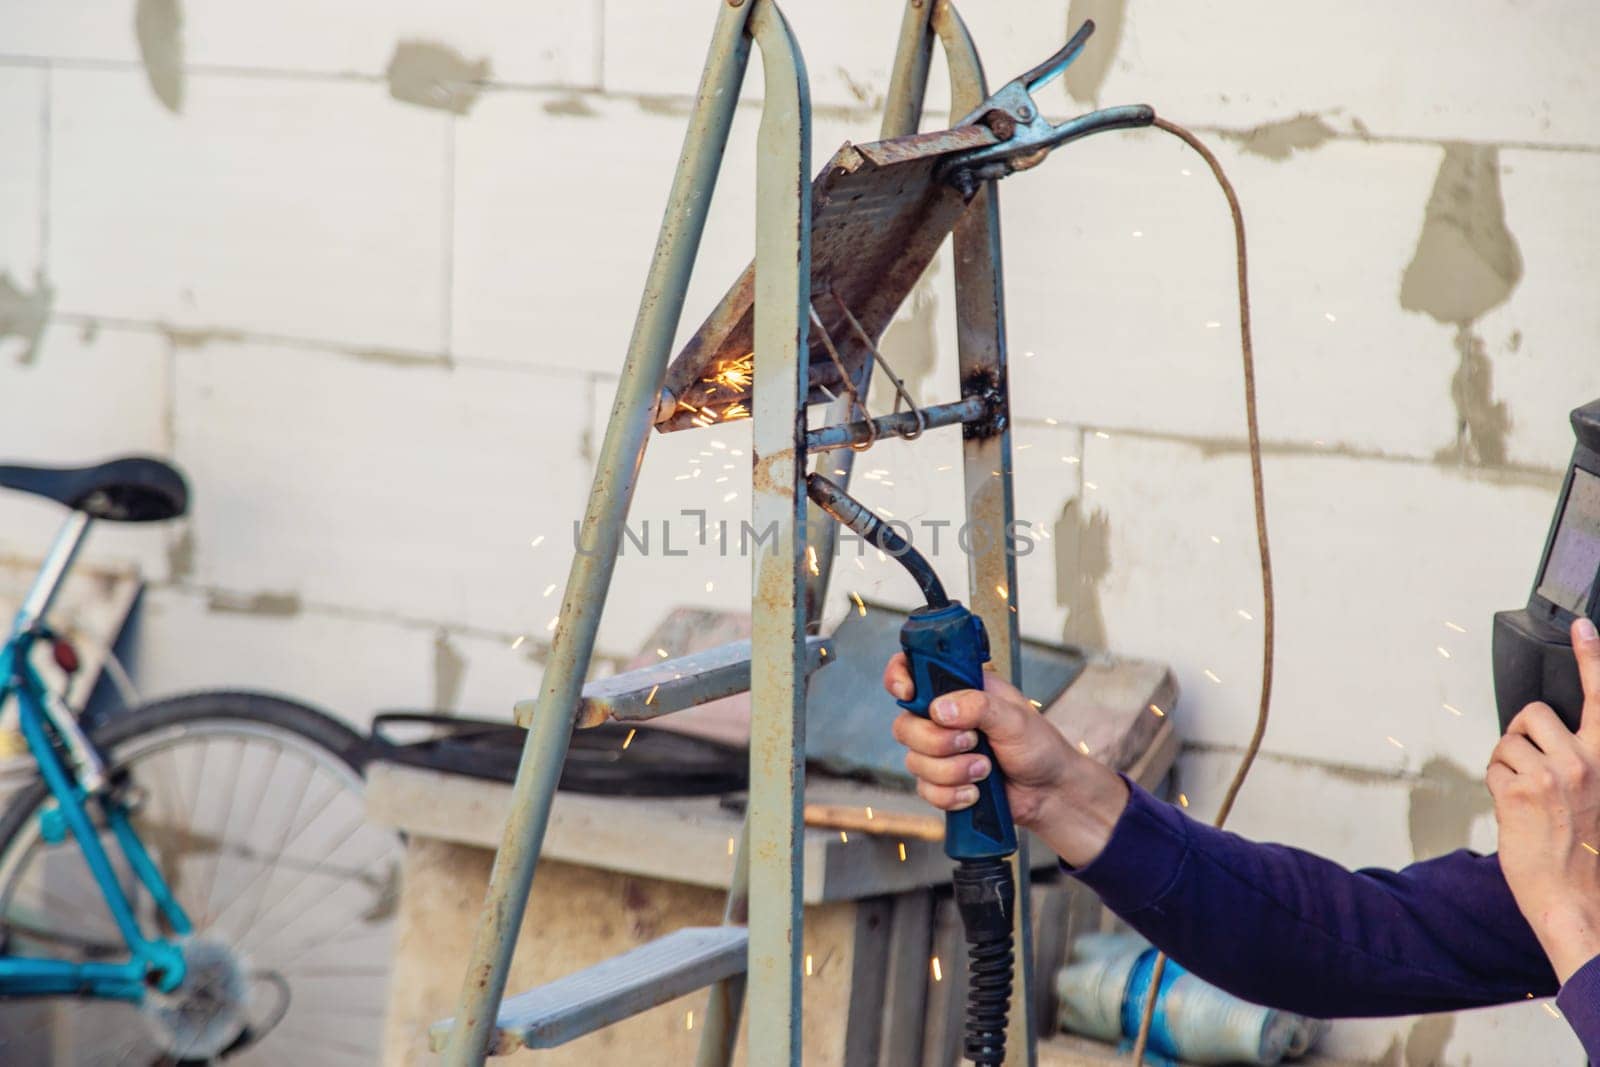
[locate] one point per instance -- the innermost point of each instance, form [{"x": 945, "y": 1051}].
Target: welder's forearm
[
  {"x": 1288, "y": 929},
  {"x": 1076, "y": 820}
]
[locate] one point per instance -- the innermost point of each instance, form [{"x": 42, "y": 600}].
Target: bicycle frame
[{"x": 54, "y": 738}]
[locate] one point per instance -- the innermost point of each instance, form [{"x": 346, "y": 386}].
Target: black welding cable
[
  {"x": 851, "y": 513},
  {"x": 1268, "y": 619}
]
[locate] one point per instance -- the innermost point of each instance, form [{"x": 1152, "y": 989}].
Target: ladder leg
[
  {"x": 902, "y": 113},
  {"x": 986, "y": 452},
  {"x": 777, "y": 675},
  {"x": 590, "y": 577},
  {"x": 726, "y": 998}
]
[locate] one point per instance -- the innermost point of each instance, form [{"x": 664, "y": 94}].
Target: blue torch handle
[{"x": 946, "y": 649}]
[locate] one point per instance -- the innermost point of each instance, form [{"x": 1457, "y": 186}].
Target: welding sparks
[
  {"x": 1329, "y": 316},
  {"x": 518, "y": 642},
  {"x": 551, "y": 588},
  {"x": 626, "y": 741},
  {"x": 1102, "y": 435},
  {"x": 1453, "y": 626},
  {"x": 1083, "y": 746},
  {"x": 730, "y": 846},
  {"x": 688, "y": 1022},
  {"x": 1551, "y": 1009},
  {"x": 1069, "y": 459},
  {"x": 1090, "y": 485},
  {"x": 1394, "y": 741},
  {"x": 1005, "y": 594},
  {"x": 1213, "y": 325},
  {"x": 810, "y": 969},
  {"x": 938, "y": 972},
  {"x": 1591, "y": 848},
  {"x": 1158, "y": 712},
  {"x": 844, "y": 838},
  {"x": 902, "y": 852},
  {"x": 651, "y": 698},
  {"x": 1445, "y": 652},
  {"x": 1183, "y": 800},
  {"x": 536, "y": 542},
  {"x": 551, "y": 625},
  {"x": 1209, "y": 673},
  {"x": 661, "y": 652},
  {"x": 869, "y": 812},
  {"x": 1452, "y": 710},
  {"x": 811, "y": 559},
  {"x": 1216, "y": 540},
  {"x": 861, "y": 605},
  {"x": 1245, "y": 615},
  {"x": 1035, "y": 703},
  {"x": 730, "y": 498}
]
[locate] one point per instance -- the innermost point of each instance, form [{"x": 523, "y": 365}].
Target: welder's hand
[
  {"x": 1545, "y": 781},
  {"x": 1064, "y": 796}
]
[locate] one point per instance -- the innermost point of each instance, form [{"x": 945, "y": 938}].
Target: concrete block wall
[{"x": 367, "y": 271}]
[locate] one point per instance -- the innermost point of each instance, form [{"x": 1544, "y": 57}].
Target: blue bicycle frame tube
[{"x": 23, "y": 976}]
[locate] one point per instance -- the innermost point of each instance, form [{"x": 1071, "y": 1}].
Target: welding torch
[{"x": 946, "y": 647}]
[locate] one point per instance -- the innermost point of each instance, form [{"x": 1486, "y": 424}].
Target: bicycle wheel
[{"x": 252, "y": 808}]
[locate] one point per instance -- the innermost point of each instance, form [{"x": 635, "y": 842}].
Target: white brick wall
[{"x": 382, "y": 339}]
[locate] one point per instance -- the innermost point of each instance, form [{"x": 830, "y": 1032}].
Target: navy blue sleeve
[
  {"x": 1580, "y": 1003},
  {"x": 1287, "y": 929}
]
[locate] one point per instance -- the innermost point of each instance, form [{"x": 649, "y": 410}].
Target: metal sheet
[
  {"x": 849, "y": 713},
  {"x": 878, "y": 217}
]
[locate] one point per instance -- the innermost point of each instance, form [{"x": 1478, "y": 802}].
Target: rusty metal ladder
[{"x": 776, "y": 312}]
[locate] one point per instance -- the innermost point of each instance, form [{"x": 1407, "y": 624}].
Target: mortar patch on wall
[
  {"x": 267, "y": 603},
  {"x": 1088, "y": 72},
  {"x": 1083, "y": 560},
  {"x": 449, "y": 672},
  {"x": 430, "y": 74},
  {"x": 1482, "y": 422},
  {"x": 1426, "y": 1042},
  {"x": 158, "y": 24},
  {"x": 1444, "y": 802},
  {"x": 571, "y": 106},
  {"x": 1467, "y": 262},
  {"x": 24, "y": 313},
  {"x": 180, "y": 555},
  {"x": 1279, "y": 140}
]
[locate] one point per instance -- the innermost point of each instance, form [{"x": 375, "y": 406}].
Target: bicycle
[{"x": 186, "y": 901}]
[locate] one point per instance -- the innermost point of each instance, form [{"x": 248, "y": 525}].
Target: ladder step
[
  {"x": 612, "y": 990},
  {"x": 673, "y": 684}
]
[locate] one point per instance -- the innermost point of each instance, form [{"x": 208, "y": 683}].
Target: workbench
[{"x": 616, "y": 872}]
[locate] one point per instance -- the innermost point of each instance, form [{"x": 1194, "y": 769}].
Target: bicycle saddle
[{"x": 128, "y": 489}]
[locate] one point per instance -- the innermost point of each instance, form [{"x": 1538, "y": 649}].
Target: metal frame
[
  {"x": 766, "y": 889},
  {"x": 783, "y": 247},
  {"x": 47, "y": 722},
  {"x": 986, "y": 442}
]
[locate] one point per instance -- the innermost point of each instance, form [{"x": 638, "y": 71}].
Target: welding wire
[
  {"x": 899, "y": 385},
  {"x": 856, "y": 403},
  {"x": 1268, "y": 619}
]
